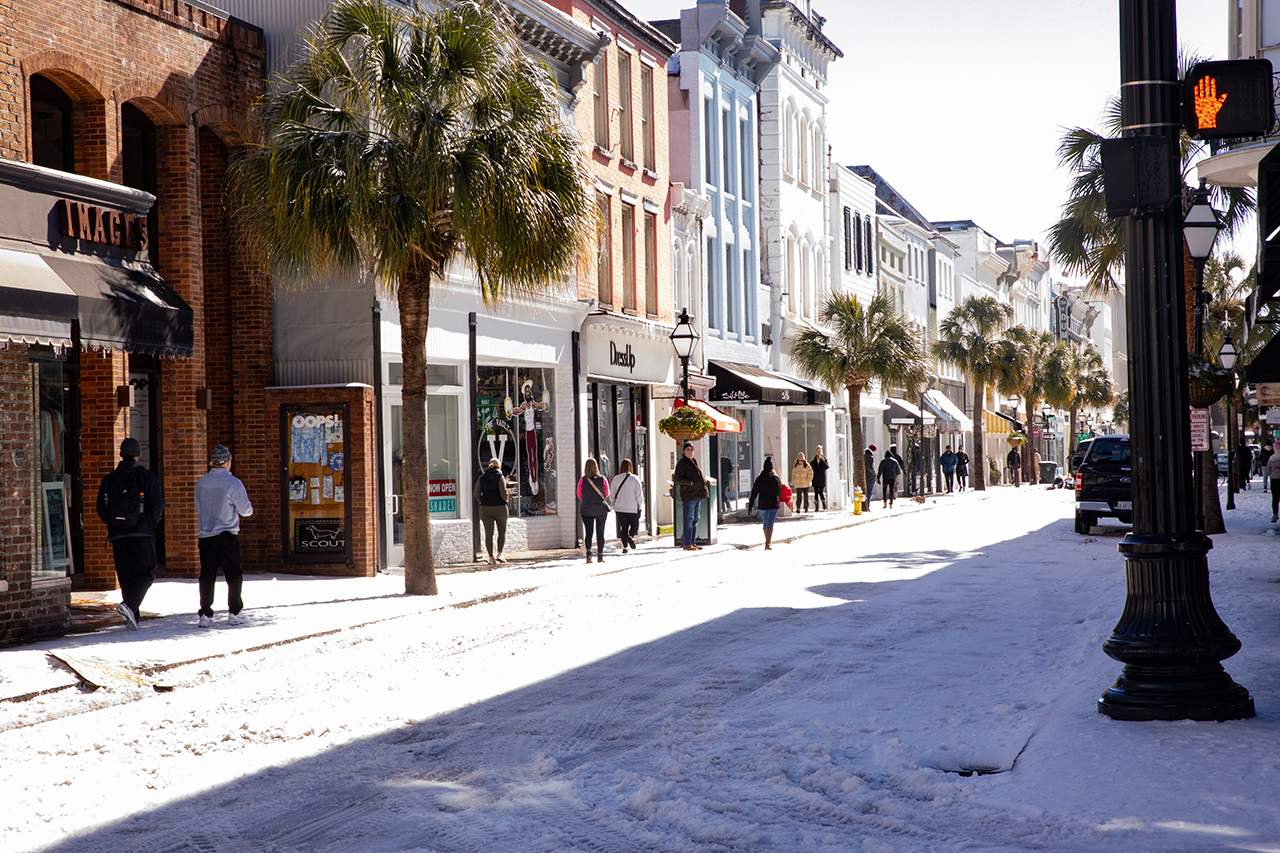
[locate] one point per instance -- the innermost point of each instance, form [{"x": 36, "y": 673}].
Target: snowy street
[{"x": 836, "y": 693}]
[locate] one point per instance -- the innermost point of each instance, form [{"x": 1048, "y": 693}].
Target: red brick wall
[
  {"x": 360, "y": 474},
  {"x": 103, "y": 426}
]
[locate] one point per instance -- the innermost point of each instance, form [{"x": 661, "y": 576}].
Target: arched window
[
  {"x": 789, "y": 143},
  {"x": 804, "y": 151},
  {"x": 790, "y": 286},
  {"x": 805, "y": 284},
  {"x": 52, "y": 138}
]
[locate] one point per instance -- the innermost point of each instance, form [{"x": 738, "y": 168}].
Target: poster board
[{"x": 57, "y": 523}]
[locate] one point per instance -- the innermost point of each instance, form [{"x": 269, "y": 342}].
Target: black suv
[{"x": 1104, "y": 483}]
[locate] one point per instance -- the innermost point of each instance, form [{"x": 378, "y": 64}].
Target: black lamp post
[
  {"x": 1200, "y": 228},
  {"x": 1169, "y": 637},
  {"x": 684, "y": 338},
  {"x": 1227, "y": 355}
]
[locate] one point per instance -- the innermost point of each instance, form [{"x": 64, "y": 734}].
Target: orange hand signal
[{"x": 1207, "y": 102}]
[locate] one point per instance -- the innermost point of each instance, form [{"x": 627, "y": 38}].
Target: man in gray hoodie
[{"x": 221, "y": 501}]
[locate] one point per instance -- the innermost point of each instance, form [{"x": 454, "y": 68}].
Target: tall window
[
  {"x": 817, "y": 159},
  {"x": 857, "y": 241},
  {"x": 138, "y": 157},
  {"x": 804, "y": 152},
  {"x": 677, "y": 275},
  {"x": 601, "y": 76},
  {"x": 628, "y": 256},
  {"x": 866, "y": 224},
  {"x": 52, "y": 143},
  {"x": 748, "y": 303},
  {"x": 650, "y": 263},
  {"x": 848, "y": 239},
  {"x": 713, "y": 285},
  {"x": 789, "y": 144},
  {"x": 744, "y": 152},
  {"x": 791, "y": 285},
  {"x": 726, "y": 150},
  {"x": 627, "y": 149},
  {"x": 604, "y": 252},
  {"x": 805, "y": 295},
  {"x": 646, "y": 119},
  {"x": 708, "y": 144},
  {"x": 731, "y": 289}
]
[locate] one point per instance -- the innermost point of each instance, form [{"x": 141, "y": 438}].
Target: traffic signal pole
[{"x": 1169, "y": 637}]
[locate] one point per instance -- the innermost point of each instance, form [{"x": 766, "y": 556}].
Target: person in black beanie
[{"x": 131, "y": 504}]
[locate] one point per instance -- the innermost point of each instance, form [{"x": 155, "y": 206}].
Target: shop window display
[
  {"x": 517, "y": 427},
  {"x": 54, "y": 557},
  {"x": 316, "y": 521}
]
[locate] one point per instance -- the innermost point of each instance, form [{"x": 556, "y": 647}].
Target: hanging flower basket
[
  {"x": 1204, "y": 391},
  {"x": 1015, "y": 439},
  {"x": 687, "y": 423}
]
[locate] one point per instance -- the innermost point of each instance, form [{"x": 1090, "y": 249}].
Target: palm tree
[
  {"x": 1091, "y": 384},
  {"x": 1090, "y": 244},
  {"x": 971, "y": 338},
  {"x": 863, "y": 345},
  {"x": 1041, "y": 370},
  {"x": 403, "y": 141}
]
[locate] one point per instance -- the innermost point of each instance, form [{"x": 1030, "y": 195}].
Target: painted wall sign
[{"x": 85, "y": 221}]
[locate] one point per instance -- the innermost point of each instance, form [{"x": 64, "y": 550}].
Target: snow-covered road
[{"x": 822, "y": 696}]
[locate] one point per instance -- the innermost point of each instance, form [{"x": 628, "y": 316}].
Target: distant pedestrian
[
  {"x": 628, "y": 501},
  {"x": 593, "y": 493},
  {"x": 801, "y": 480},
  {"x": 887, "y": 476},
  {"x": 221, "y": 501},
  {"x": 948, "y": 462},
  {"x": 131, "y": 504},
  {"x": 869, "y": 467},
  {"x": 1264, "y": 456},
  {"x": 820, "y": 466},
  {"x": 726, "y": 481},
  {"x": 1244, "y": 466},
  {"x": 962, "y": 468},
  {"x": 1273, "y": 474},
  {"x": 693, "y": 490},
  {"x": 1014, "y": 460},
  {"x": 766, "y": 493},
  {"x": 491, "y": 492}
]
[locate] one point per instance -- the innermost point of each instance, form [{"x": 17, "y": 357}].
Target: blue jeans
[
  {"x": 768, "y": 517},
  {"x": 690, "y": 533}
]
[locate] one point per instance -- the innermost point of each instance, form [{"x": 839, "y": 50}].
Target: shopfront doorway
[{"x": 617, "y": 427}]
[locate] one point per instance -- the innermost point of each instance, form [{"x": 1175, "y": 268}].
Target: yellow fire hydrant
[{"x": 857, "y": 501}]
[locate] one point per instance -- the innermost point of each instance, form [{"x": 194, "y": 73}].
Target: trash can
[
  {"x": 706, "y": 527},
  {"x": 1048, "y": 472}
]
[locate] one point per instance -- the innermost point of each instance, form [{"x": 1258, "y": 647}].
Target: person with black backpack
[{"x": 131, "y": 504}]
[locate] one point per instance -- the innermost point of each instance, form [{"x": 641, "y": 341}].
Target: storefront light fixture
[{"x": 684, "y": 338}]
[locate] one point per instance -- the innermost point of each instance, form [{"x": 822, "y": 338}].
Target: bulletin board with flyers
[{"x": 317, "y": 512}]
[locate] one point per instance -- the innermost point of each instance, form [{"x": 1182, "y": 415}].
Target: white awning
[
  {"x": 902, "y": 412},
  {"x": 948, "y": 410}
]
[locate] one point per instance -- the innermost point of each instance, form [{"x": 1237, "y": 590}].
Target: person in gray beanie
[
  {"x": 131, "y": 504},
  {"x": 221, "y": 501}
]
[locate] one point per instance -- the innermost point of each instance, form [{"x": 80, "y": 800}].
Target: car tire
[{"x": 1084, "y": 523}]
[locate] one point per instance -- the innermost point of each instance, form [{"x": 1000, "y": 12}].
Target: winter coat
[
  {"x": 801, "y": 476},
  {"x": 149, "y": 484},
  {"x": 1014, "y": 459},
  {"x": 593, "y": 503},
  {"x": 688, "y": 476},
  {"x": 948, "y": 462},
  {"x": 766, "y": 491},
  {"x": 491, "y": 489},
  {"x": 869, "y": 462},
  {"x": 820, "y": 466},
  {"x": 628, "y": 494},
  {"x": 962, "y": 464},
  {"x": 890, "y": 469},
  {"x": 1273, "y": 467}
]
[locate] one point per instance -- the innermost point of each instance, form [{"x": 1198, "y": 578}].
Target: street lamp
[
  {"x": 684, "y": 338},
  {"x": 1227, "y": 356},
  {"x": 1200, "y": 229}
]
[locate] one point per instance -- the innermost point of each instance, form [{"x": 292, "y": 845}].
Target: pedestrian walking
[
  {"x": 491, "y": 492},
  {"x": 221, "y": 501},
  {"x": 801, "y": 480},
  {"x": 1264, "y": 456},
  {"x": 766, "y": 493},
  {"x": 131, "y": 504},
  {"x": 948, "y": 462},
  {"x": 726, "y": 480},
  {"x": 962, "y": 468},
  {"x": 1244, "y": 466},
  {"x": 1273, "y": 474},
  {"x": 693, "y": 490},
  {"x": 1014, "y": 460},
  {"x": 887, "y": 476},
  {"x": 869, "y": 466},
  {"x": 628, "y": 501},
  {"x": 593, "y": 497},
  {"x": 820, "y": 466}
]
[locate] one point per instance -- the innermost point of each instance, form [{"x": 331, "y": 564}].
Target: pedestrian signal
[{"x": 1222, "y": 100}]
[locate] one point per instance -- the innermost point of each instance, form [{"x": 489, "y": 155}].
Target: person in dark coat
[
  {"x": 1244, "y": 463},
  {"x": 593, "y": 490},
  {"x": 693, "y": 489},
  {"x": 887, "y": 476},
  {"x": 869, "y": 465},
  {"x": 1014, "y": 461},
  {"x": 962, "y": 468},
  {"x": 132, "y": 538},
  {"x": 948, "y": 462},
  {"x": 490, "y": 493},
  {"x": 820, "y": 465},
  {"x": 766, "y": 493}
]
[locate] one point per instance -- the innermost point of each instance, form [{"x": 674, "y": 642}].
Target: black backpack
[{"x": 126, "y": 501}]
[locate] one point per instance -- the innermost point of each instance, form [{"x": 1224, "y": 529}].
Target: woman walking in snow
[
  {"x": 592, "y": 493},
  {"x": 628, "y": 500}
]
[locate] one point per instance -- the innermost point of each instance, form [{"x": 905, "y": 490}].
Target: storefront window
[
  {"x": 442, "y": 455},
  {"x": 615, "y": 428},
  {"x": 517, "y": 427},
  {"x": 736, "y": 465},
  {"x": 805, "y": 431},
  {"x": 316, "y": 521},
  {"x": 54, "y": 556}
]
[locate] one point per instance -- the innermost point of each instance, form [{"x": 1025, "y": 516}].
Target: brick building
[{"x": 128, "y": 305}]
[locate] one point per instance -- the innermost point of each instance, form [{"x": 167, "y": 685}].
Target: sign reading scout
[{"x": 102, "y": 225}]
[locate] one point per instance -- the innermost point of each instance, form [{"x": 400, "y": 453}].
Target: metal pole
[
  {"x": 1233, "y": 447},
  {"x": 473, "y": 370},
  {"x": 1169, "y": 637}
]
